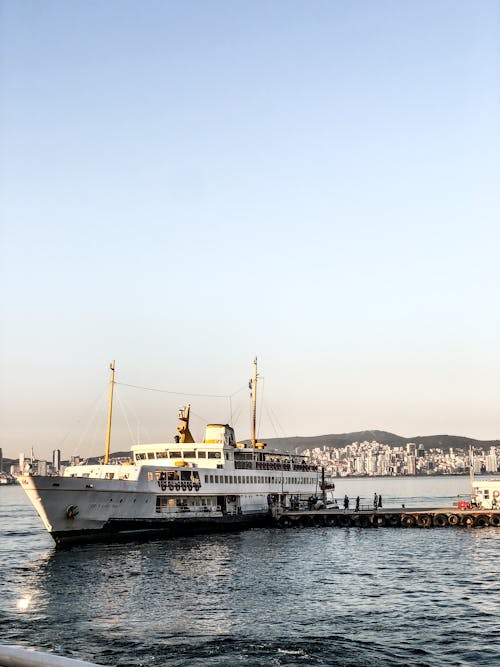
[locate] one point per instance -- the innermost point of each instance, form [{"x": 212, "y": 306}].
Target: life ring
[
  {"x": 177, "y": 486},
  {"x": 190, "y": 486},
  {"x": 71, "y": 511},
  {"x": 482, "y": 521},
  {"x": 495, "y": 520},
  {"x": 171, "y": 486},
  {"x": 196, "y": 486},
  {"x": 183, "y": 485},
  {"x": 496, "y": 494},
  {"x": 423, "y": 521},
  {"x": 440, "y": 520},
  {"x": 407, "y": 521},
  {"x": 162, "y": 484},
  {"x": 468, "y": 521},
  {"x": 453, "y": 520}
]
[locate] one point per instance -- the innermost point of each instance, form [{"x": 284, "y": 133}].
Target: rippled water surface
[{"x": 318, "y": 596}]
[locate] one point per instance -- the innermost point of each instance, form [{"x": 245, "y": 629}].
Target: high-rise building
[{"x": 56, "y": 460}]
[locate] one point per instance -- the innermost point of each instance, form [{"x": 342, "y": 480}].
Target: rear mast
[
  {"x": 253, "y": 386},
  {"x": 110, "y": 411}
]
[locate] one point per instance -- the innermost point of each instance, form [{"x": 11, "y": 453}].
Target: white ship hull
[{"x": 89, "y": 508}]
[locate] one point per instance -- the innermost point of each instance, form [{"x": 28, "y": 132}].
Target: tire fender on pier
[
  {"x": 440, "y": 520},
  {"x": 407, "y": 521},
  {"x": 453, "y": 520},
  {"x": 482, "y": 521},
  {"x": 423, "y": 521},
  {"x": 468, "y": 521}
]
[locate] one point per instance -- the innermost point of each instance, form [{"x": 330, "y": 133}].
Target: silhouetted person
[
  {"x": 375, "y": 501},
  {"x": 357, "y": 504},
  {"x": 346, "y": 502},
  {"x": 380, "y": 501}
]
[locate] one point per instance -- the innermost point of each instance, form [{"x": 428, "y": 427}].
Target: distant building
[{"x": 56, "y": 460}]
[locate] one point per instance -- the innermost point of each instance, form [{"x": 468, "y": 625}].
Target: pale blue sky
[{"x": 188, "y": 184}]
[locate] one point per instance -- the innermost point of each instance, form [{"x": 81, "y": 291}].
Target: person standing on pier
[
  {"x": 375, "y": 501},
  {"x": 346, "y": 502},
  {"x": 380, "y": 501},
  {"x": 357, "y": 504}
]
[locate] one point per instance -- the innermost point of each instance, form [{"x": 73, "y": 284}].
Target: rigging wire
[
  {"x": 125, "y": 416},
  {"x": 180, "y": 393},
  {"x": 92, "y": 407},
  {"x": 275, "y": 421}
]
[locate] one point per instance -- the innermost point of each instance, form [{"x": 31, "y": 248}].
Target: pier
[{"x": 423, "y": 517}]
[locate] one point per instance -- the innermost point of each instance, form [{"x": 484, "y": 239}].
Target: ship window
[
  {"x": 162, "y": 455},
  {"x": 206, "y": 479},
  {"x": 202, "y": 455},
  {"x": 151, "y": 455},
  {"x": 214, "y": 455},
  {"x": 239, "y": 479},
  {"x": 140, "y": 456},
  {"x": 486, "y": 493},
  {"x": 109, "y": 475},
  {"x": 186, "y": 475},
  {"x": 225, "y": 479},
  {"x": 211, "y": 479},
  {"x": 175, "y": 455},
  {"x": 173, "y": 475},
  {"x": 150, "y": 476},
  {"x": 190, "y": 455}
]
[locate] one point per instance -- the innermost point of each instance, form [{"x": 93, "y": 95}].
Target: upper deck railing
[{"x": 274, "y": 465}]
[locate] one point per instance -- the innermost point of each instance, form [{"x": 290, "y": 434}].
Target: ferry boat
[{"x": 176, "y": 487}]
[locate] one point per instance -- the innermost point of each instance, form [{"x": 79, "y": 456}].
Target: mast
[
  {"x": 110, "y": 411},
  {"x": 253, "y": 386}
]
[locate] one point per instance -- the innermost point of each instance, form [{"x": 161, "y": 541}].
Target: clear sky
[{"x": 185, "y": 185}]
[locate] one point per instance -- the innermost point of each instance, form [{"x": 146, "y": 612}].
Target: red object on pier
[{"x": 462, "y": 504}]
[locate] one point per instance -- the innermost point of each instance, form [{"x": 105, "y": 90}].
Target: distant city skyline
[{"x": 188, "y": 185}]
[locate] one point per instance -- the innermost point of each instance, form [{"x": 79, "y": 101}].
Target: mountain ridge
[{"x": 337, "y": 440}]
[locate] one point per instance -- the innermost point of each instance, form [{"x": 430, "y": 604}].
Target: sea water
[{"x": 309, "y": 596}]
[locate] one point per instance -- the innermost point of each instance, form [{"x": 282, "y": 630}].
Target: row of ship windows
[
  {"x": 142, "y": 456},
  {"x": 164, "y": 501},
  {"x": 256, "y": 479}
]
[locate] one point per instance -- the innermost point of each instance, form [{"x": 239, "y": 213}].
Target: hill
[{"x": 334, "y": 441}]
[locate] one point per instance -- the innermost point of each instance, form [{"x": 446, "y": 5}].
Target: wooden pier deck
[{"x": 421, "y": 517}]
